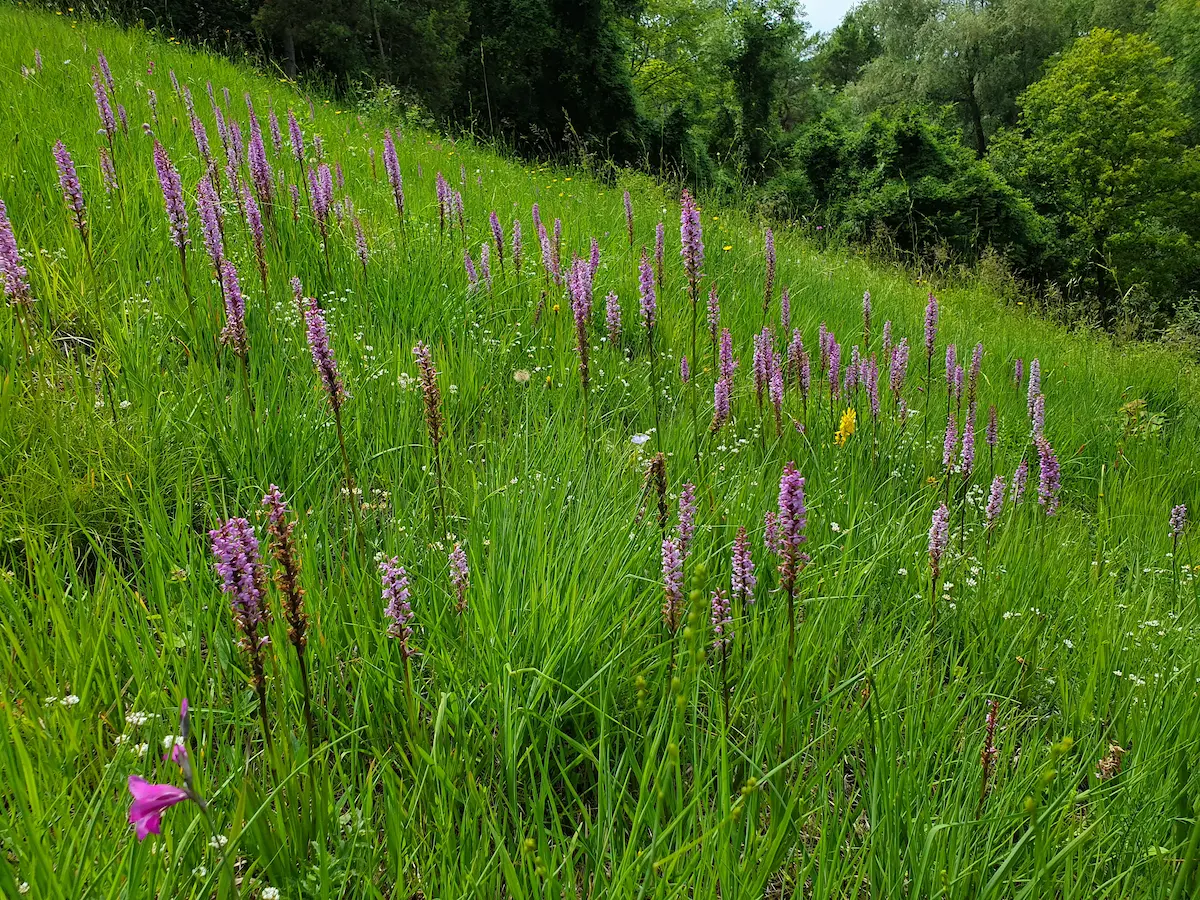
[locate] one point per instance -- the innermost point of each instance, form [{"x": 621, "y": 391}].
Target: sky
[{"x": 824, "y": 15}]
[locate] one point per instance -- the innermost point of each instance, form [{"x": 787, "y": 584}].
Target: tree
[
  {"x": 767, "y": 35},
  {"x": 973, "y": 55},
  {"x": 1102, "y": 151},
  {"x": 1176, "y": 28},
  {"x": 548, "y": 67},
  {"x": 843, "y": 55}
]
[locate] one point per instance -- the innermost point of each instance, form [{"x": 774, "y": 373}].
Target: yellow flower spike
[{"x": 846, "y": 427}]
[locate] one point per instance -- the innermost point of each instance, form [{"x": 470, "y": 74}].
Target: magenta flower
[
  {"x": 254, "y": 223},
  {"x": 899, "y": 367},
  {"x": 995, "y": 503},
  {"x": 460, "y": 575},
  {"x": 866, "y": 310},
  {"x": 233, "y": 335},
  {"x": 547, "y": 250},
  {"x": 1049, "y": 475},
  {"x": 322, "y": 354},
  {"x": 236, "y": 147},
  {"x": 594, "y": 259},
  {"x": 391, "y": 165},
  {"x": 887, "y": 339},
  {"x": 107, "y": 170},
  {"x": 1020, "y": 479},
  {"x": 722, "y": 622},
  {"x": 966, "y": 462},
  {"x": 431, "y": 394},
  {"x": 949, "y": 442},
  {"x": 794, "y": 351},
  {"x": 721, "y": 392},
  {"x": 685, "y": 374},
  {"x": 172, "y": 191},
  {"x": 397, "y": 605},
  {"x": 993, "y": 428},
  {"x": 150, "y": 801},
  {"x": 672, "y": 571},
  {"x": 444, "y": 201},
  {"x": 485, "y": 264},
  {"x": 763, "y": 342},
  {"x": 951, "y": 364},
  {"x": 692, "y": 249},
  {"x": 1178, "y": 521},
  {"x": 646, "y": 294},
  {"x": 793, "y": 519},
  {"x": 360, "y": 243},
  {"x": 16, "y": 278},
  {"x": 295, "y": 138},
  {"x": 872, "y": 383},
  {"x": 238, "y": 562},
  {"x": 853, "y": 371},
  {"x": 1018, "y": 372},
  {"x": 931, "y": 322},
  {"x": 804, "y": 374},
  {"x": 771, "y": 538},
  {"x": 273, "y": 123},
  {"x": 612, "y": 318},
  {"x": 108, "y": 79},
  {"x": 726, "y": 363},
  {"x": 579, "y": 282},
  {"x": 742, "y": 582},
  {"x": 939, "y": 538},
  {"x": 769, "y": 252},
  {"x": 260, "y": 169},
  {"x": 68, "y": 180},
  {"x": 472, "y": 275},
  {"x": 1039, "y": 414},
  {"x": 687, "y": 519},
  {"x": 107, "y": 120},
  {"x": 835, "y": 362}
]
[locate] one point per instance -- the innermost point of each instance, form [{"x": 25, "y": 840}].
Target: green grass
[{"x": 548, "y": 750}]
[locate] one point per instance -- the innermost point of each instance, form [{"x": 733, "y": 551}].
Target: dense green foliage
[
  {"x": 906, "y": 178},
  {"x": 1102, "y": 149},
  {"x": 553, "y": 736}
]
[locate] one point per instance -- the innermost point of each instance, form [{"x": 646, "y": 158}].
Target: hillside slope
[{"x": 554, "y": 732}]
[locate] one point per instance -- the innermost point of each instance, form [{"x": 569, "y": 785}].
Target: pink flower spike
[{"x": 150, "y": 801}]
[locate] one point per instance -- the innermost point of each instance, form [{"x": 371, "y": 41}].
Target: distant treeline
[{"x": 1053, "y": 140}]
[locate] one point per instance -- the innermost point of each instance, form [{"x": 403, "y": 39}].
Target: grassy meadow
[{"x": 1020, "y": 720}]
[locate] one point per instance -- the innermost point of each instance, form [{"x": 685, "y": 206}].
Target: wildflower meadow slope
[{"x": 385, "y": 518}]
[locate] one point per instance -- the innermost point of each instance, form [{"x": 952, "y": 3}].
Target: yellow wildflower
[{"x": 845, "y": 428}]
